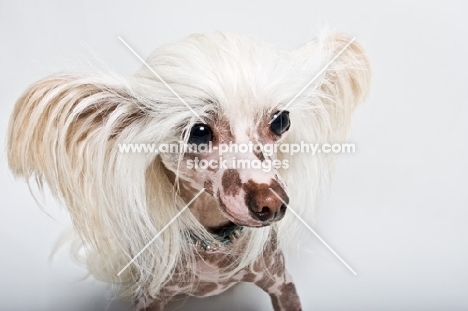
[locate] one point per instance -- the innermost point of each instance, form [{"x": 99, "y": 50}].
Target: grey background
[{"x": 398, "y": 211}]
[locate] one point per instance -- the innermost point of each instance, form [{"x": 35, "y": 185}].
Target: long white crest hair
[{"x": 66, "y": 128}]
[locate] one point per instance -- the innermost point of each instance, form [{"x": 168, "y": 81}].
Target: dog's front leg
[
  {"x": 282, "y": 292},
  {"x": 147, "y": 303}
]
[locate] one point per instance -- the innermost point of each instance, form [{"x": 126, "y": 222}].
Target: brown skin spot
[
  {"x": 208, "y": 185},
  {"x": 268, "y": 260},
  {"x": 275, "y": 303},
  {"x": 231, "y": 182},
  {"x": 282, "y": 264},
  {"x": 289, "y": 297},
  {"x": 258, "y": 266},
  {"x": 260, "y": 156},
  {"x": 266, "y": 282},
  {"x": 249, "y": 277}
]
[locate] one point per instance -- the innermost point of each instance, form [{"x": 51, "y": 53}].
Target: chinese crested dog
[{"x": 161, "y": 222}]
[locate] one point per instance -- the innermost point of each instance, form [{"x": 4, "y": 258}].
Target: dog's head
[{"x": 248, "y": 95}]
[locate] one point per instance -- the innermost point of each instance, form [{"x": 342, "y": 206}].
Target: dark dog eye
[
  {"x": 281, "y": 122},
  {"x": 200, "y": 134}
]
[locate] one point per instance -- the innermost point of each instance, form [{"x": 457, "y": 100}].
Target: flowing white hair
[{"x": 65, "y": 131}]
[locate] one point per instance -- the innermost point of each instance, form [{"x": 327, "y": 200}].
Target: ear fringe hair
[{"x": 322, "y": 114}]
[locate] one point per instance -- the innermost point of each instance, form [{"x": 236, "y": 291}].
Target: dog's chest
[{"x": 209, "y": 279}]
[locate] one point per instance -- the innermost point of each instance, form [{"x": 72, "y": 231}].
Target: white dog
[{"x": 221, "y": 88}]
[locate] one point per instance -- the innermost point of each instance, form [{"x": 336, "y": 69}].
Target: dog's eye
[
  {"x": 281, "y": 122},
  {"x": 200, "y": 134}
]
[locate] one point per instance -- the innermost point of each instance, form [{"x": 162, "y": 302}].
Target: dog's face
[
  {"x": 245, "y": 85},
  {"x": 226, "y": 158}
]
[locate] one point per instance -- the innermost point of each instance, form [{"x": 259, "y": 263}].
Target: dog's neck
[{"x": 205, "y": 208}]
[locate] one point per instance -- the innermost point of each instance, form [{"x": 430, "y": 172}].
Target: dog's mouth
[
  {"x": 218, "y": 230},
  {"x": 225, "y": 234}
]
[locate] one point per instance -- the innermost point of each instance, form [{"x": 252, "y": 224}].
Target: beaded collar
[{"x": 225, "y": 237}]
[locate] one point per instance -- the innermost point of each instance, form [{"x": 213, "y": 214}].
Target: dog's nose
[{"x": 263, "y": 204}]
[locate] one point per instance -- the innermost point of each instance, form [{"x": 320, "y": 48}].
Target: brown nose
[{"x": 263, "y": 204}]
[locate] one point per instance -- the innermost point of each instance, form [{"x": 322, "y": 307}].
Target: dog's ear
[
  {"x": 340, "y": 87},
  {"x": 65, "y": 131},
  {"x": 57, "y": 114},
  {"x": 321, "y": 114}
]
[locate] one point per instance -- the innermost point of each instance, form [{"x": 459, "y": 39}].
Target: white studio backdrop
[{"x": 398, "y": 212}]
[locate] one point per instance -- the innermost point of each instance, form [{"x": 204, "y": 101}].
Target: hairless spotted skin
[{"x": 268, "y": 272}]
